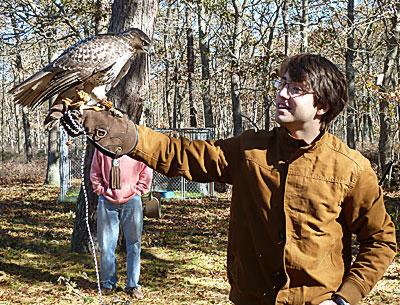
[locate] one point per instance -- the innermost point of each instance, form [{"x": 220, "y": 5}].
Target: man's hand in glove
[{"x": 111, "y": 134}]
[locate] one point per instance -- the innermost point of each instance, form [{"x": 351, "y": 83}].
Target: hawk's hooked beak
[{"x": 148, "y": 49}]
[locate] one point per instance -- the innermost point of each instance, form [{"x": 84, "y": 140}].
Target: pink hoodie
[{"x": 135, "y": 178}]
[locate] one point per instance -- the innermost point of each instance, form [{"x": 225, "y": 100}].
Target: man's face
[{"x": 295, "y": 105}]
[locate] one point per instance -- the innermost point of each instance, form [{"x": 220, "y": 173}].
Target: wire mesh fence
[{"x": 70, "y": 168}]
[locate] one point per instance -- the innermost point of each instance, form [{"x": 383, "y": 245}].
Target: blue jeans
[{"x": 109, "y": 218}]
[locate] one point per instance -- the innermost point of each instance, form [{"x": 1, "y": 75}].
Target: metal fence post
[{"x": 64, "y": 165}]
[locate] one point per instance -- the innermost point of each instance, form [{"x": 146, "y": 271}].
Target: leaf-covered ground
[{"x": 183, "y": 254}]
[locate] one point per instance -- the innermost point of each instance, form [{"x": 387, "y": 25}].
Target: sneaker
[{"x": 135, "y": 292}]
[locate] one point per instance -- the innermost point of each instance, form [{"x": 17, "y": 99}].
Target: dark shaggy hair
[{"x": 323, "y": 78}]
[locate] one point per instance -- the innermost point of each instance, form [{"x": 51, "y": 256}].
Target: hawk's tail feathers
[
  {"x": 57, "y": 85},
  {"x": 27, "y": 92},
  {"x": 36, "y": 90},
  {"x": 29, "y": 81}
]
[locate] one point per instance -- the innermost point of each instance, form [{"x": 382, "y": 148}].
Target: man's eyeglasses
[{"x": 293, "y": 89}]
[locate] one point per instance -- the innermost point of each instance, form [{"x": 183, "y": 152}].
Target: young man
[
  {"x": 119, "y": 204},
  {"x": 299, "y": 193}
]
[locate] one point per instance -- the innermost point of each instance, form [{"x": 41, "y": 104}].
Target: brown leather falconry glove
[{"x": 113, "y": 135}]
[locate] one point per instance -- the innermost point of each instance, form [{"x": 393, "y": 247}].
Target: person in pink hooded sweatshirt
[{"x": 119, "y": 183}]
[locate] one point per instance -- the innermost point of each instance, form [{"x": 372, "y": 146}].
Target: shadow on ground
[{"x": 35, "y": 232}]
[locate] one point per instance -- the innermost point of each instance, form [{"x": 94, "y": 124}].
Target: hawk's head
[{"x": 138, "y": 40}]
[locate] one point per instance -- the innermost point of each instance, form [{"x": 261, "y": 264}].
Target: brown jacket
[{"x": 294, "y": 207}]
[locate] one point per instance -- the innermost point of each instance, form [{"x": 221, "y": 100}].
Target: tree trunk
[
  {"x": 235, "y": 79},
  {"x": 2, "y": 112},
  {"x": 390, "y": 83},
  {"x": 25, "y": 111},
  {"x": 190, "y": 68},
  {"x": 266, "y": 75},
  {"x": 350, "y": 74},
  {"x": 27, "y": 132},
  {"x": 131, "y": 91},
  {"x": 129, "y": 96},
  {"x": 285, "y": 26},
  {"x": 205, "y": 68},
  {"x": 267, "y": 108},
  {"x": 166, "y": 100},
  {"x": 16, "y": 115},
  {"x": 236, "y": 107},
  {"x": 304, "y": 26},
  {"x": 80, "y": 242},
  {"x": 177, "y": 101},
  {"x": 53, "y": 153},
  {"x": 178, "y": 58}
]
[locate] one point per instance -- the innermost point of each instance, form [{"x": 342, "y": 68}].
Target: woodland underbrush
[{"x": 15, "y": 171}]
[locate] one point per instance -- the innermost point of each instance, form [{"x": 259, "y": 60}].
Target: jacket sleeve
[
  {"x": 96, "y": 176},
  {"x": 144, "y": 182},
  {"x": 366, "y": 217},
  {"x": 198, "y": 160}
]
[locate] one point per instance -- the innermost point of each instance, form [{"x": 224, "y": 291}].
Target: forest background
[
  {"x": 213, "y": 67},
  {"x": 215, "y": 63}
]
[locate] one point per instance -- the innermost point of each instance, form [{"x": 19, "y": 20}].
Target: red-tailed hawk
[{"x": 93, "y": 65}]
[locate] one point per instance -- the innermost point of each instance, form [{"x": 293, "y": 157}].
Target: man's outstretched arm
[{"x": 114, "y": 136}]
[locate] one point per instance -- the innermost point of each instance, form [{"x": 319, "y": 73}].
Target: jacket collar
[{"x": 294, "y": 144}]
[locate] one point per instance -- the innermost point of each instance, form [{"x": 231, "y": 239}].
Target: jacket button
[
  {"x": 259, "y": 255},
  {"x": 279, "y": 278},
  {"x": 281, "y": 238},
  {"x": 276, "y": 274}
]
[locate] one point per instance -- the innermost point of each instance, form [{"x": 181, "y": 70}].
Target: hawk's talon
[
  {"x": 67, "y": 101},
  {"x": 83, "y": 96},
  {"x": 82, "y": 99},
  {"x": 107, "y": 104}
]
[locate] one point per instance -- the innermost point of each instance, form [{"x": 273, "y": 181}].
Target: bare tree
[
  {"x": 25, "y": 112},
  {"x": 350, "y": 74},
  {"x": 390, "y": 82},
  {"x": 304, "y": 25},
  {"x": 178, "y": 59},
  {"x": 2, "y": 115},
  {"x": 166, "y": 91},
  {"x": 235, "y": 78},
  {"x": 53, "y": 155},
  {"x": 190, "y": 68},
  {"x": 53, "y": 152},
  {"x": 285, "y": 26},
  {"x": 204, "y": 47},
  {"x": 129, "y": 95}
]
